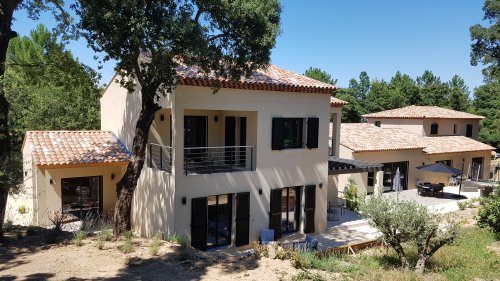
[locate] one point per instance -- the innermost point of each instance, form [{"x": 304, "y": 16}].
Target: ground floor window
[
  {"x": 82, "y": 197},
  {"x": 477, "y": 168},
  {"x": 390, "y": 169},
  {"x": 370, "y": 183}
]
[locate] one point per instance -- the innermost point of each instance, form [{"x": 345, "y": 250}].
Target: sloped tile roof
[
  {"x": 363, "y": 137},
  {"x": 273, "y": 78},
  {"x": 451, "y": 144},
  {"x": 75, "y": 147},
  {"x": 422, "y": 112},
  {"x": 335, "y": 102}
]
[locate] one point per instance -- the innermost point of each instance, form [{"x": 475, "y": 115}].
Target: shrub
[
  {"x": 462, "y": 205},
  {"x": 489, "y": 213},
  {"x": 100, "y": 244},
  {"x": 51, "y": 237},
  {"x": 259, "y": 250},
  {"x": 78, "y": 238},
  {"x": 104, "y": 234},
  {"x": 7, "y": 226},
  {"x": 128, "y": 247},
  {"x": 156, "y": 244},
  {"x": 58, "y": 218},
  {"x": 351, "y": 195}
]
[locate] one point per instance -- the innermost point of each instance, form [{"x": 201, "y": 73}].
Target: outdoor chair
[
  {"x": 266, "y": 236},
  {"x": 331, "y": 213}
]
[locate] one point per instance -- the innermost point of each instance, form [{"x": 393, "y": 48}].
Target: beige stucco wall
[
  {"x": 274, "y": 169},
  {"x": 48, "y": 196},
  {"x": 456, "y": 159},
  {"x": 413, "y": 156},
  {"x": 157, "y": 204},
  {"x": 422, "y": 127},
  {"x": 445, "y": 127},
  {"x": 412, "y": 125}
]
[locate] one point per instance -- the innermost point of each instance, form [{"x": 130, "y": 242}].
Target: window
[
  {"x": 371, "y": 181},
  {"x": 82, "y": 197},
  {"x": 377, "y": 123},
  {"x": 434, "y": 129},
  {"x": 454, "y": 129},
  {"x": 289, "y": 133},
  {"x": 468, "y": 130},
  {"x": 446, "y": 162}
]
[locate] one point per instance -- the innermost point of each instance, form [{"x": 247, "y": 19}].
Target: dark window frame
[
  {"x": 73, "y": 181},
  {"x": 434, "y": 128},
  {"x": 469, "y": 130},
  {"x": 293, "y": 133},
  {"x": 378, "y": 123}
]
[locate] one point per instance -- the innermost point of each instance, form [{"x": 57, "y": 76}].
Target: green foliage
[
  {"x": 407, "y": 221},
  {"x": 487, "y": 103},
  {"x": 486, "y": 46},
  {"x": 128, "y": 246},
  {"x": 351, "y": 195},
  {"x": 306, "y": 275},
  {"x": 489, "y": 213},
  {"x": 155, "y": 245},
  {"x": 259, "y": 250},
  {"x": 45, "y": 82},
  {"x": 462, "y": 205},
  {"x": 352, "y": 111},
  {"x": 320, "y": 75},
  {"x": 78, "y": 238}
]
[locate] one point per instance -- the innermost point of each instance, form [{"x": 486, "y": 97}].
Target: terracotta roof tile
[
  {"x": 361, "y": 137},
  {"x": 273, "y": 78},
  {"x": 450, "y": 144},
  {"x": 422, "y": 112},
  {"x": 75, "y": 147},
  {"x": 335, "y": 102}
]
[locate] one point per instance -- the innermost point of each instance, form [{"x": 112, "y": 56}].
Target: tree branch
[
  {"x": 197, "y": 16},
  {"x": 215, "y": 37}
]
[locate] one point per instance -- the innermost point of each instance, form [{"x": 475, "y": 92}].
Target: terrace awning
[{"x": 337, "y": 166}]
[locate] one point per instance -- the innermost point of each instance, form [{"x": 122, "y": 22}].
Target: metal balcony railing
[
  {"x": 160, "y": 157},
  {"x": 223, "y": 159}
]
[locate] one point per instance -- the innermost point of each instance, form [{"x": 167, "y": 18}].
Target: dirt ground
[{"x": 25, "y": 257}]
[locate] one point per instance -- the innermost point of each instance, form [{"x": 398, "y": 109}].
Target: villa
[{"x": 413, "y": 136}]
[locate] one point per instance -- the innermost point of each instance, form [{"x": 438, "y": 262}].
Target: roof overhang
[{"x": 337, "y": 166}]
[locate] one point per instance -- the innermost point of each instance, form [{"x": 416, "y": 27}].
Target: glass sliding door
[
  {"x": 290, "y": 209},
  {"x": 390, "y": 169},
  {"x": 82, "y": 197},
  {"x": 219, "y": 213}
]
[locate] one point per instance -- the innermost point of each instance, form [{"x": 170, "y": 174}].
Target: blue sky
[{"x": 345, "y": 37}]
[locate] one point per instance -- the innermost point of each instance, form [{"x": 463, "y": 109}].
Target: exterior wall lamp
[{"x": 184, "y": 200}]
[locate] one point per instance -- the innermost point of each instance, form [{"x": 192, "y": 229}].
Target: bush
[
  {"x": 305, "y": 275},
  {"x": 259, "y": 250},
  {"x": 51, "y": 237},
  {"x": 100, "y": 244},
  {"x": 462, "y": 205},
  {"x": 128, "y": 247},
  {"x": 58, "y": 218},
  {"x": 489, "y": 213},
  {"x": 156, "y": 244},
  {"x": 128, "y": 235},
  {"x": 78, "y": 238},
  {"x": 352, "y": 200},
  {"x": 31, "y": 230},
  {"x": 7, "y": 226}
]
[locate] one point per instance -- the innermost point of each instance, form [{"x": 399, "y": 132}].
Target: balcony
[
  {"x": 222, "y": 159},
  {"x": 204, "y": 160}
]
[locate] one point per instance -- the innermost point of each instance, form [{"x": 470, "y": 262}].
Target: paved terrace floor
[{"x": 351, "y": 228}]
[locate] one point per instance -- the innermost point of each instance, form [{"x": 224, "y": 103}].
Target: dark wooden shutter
[
  {"x": 275, "y": 213},
  {"x": 310, "y": 207},
  {"x": 230, "y": 139},
  {"x": 242, "y": 218},
  {"x": 243, "y": 140},
  {"x": 277, "y": 134},
  {"x": 199, "y": 223},
  {"x": 312, "y": 132}
]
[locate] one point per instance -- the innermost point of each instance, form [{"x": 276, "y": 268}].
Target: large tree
[
  {"x": 7, "y": 9},
  {"x": 40, "y": 71},
  {"x": 149, "y": 39},
  {"x": 487, "y": 103},
  {"x": 486, "y": 41},
  {"x": 320, "y": 75}
]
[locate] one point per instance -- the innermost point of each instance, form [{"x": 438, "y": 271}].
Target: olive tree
[
  {"x": 402, "y": 222},
  {"x": 150, "y": 38}
]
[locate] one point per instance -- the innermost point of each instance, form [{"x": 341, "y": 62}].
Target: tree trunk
[
  {"x": 4, "y": 194},
  {"x": 126, "y": 186},
  {"x": 7, "y": 9},
  {"x": 419, "y": 268},
  {"x": 401, "y": 253}
]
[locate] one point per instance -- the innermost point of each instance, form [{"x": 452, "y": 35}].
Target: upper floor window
[
  {"x": 434, "y": 129},
  {"x": 377, "y": 123},
  {"x": 289, "y": 133},
  {"x": 468, "y": 130},
  {"x": 454, "y": 129}
]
